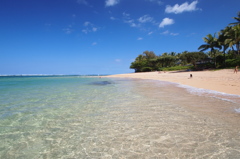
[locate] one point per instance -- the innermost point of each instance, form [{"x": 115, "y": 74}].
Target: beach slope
[{"x": 220, "y": 80}]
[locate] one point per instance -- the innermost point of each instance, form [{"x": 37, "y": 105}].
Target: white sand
[{"x": 222, "y": 80}]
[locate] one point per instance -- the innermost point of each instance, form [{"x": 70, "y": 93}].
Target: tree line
[{"x": 223, "y": 52}]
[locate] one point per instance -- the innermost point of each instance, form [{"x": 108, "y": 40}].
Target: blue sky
[{"x": 102, "y": 36}]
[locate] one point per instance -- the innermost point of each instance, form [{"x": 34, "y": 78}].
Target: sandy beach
[{"x": 220, "y": 80}]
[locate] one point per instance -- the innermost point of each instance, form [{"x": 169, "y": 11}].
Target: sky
[{"x": 102, "y": 36}]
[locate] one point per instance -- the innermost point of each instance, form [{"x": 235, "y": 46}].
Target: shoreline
[{"x": 224, "y": 81}]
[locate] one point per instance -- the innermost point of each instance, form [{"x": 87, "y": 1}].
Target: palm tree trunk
[
  {"x": 214, "y": 57},
  {"x": 238, "y": 48},
  {"x": 224, "y": 55}
]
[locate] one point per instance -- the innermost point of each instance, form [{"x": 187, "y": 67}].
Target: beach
[{"x": 219, "y": 80}]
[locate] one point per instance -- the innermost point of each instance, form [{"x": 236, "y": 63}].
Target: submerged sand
[{"x": 221, "y": 80}]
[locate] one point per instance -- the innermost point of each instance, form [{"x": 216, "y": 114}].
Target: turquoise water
[{"x": 84, "y": 117}]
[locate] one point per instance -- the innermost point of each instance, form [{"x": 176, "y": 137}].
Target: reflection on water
[{"x": 126, "y": 119}]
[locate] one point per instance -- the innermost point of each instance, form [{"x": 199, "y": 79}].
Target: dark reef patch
[{"x": 101, "y": 83}]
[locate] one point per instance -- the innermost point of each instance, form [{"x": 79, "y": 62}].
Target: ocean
[{"x": 91, "y": 117}]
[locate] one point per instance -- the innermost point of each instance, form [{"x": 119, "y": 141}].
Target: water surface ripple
[{"x": 77, "y": 117}]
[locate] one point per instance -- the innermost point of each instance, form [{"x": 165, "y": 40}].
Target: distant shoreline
[
  {"x": 43, "y": 75},
  {"x": 221, "y": 80}
]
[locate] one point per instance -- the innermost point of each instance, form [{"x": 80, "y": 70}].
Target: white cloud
[
  {"x": 87, "y": 23},
  {"x": 126, "y": 14},
  {"x": 94, "y": 43},
  {"x": 133, "y": 24},
  {"x": 82, "y": 2},
  {"x": 74, "y": 16},
  {"x": 118, "y": 60},
  {"x": 94, "y": 29},
  {"x": 140, "y": 38},
  {"x": 165, "y": 32},
  {"x": 185, "y": 7},
  {"x": 129, "y": 20},
  {"x": 89, "y": 27},
  {"x": 150, "y": 33},
  {"x": 85, "y": 31},
  {"x": 166, "y": 21},
  {"x": 68, "y": 30},
  {"x": 145, "y": 19},
  {"x": 111, "y": 2},
  {"x": 112, "y": 18},
  {"x": 169, "y": 33},
  {"x": 174, "y": 34},
  {"x": 156, "y": 1},
  {"x": 141, "y": 23}
]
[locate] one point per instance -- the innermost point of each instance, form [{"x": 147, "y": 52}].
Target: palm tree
[
  {"x": 237, "y": 19},
  {"x": 234, "y": 37},
  {"x": 235, "y": 34},
  {"x": 211, "y": 43},
  {"x": 222, "y": 36}
]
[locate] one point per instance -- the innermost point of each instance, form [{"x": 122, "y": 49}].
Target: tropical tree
[
  {"x": 193, "y": 57},
  {"x": 237, "y": 19},
  {"x": 149, "y": 55},
  {"x": 167, "y": 60},
  {"x": 234, "y": 38},
  {"x": 139, "y": 63},
  {"x": 173, "y": 54},
  {"x": 144, "y": 62},
  {"x": 234, "y": 34},
  {"x": 222, "y": 40},
  {"x": 211, "y": 43}
]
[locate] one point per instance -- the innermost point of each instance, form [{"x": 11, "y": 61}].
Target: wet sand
[{"x": 225, "y": 80}]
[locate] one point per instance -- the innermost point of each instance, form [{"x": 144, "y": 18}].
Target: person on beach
[
  {"x": 236, "y": 69},
  {"x": 190, "y": 76}
]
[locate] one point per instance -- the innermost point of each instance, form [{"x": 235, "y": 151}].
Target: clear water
[{"x": 83, "y": 117}]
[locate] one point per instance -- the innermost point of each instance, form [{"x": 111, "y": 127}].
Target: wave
[{"x": 233, "y": 98}]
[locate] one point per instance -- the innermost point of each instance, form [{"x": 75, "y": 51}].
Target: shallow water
[{"x": 77, "y": 117}]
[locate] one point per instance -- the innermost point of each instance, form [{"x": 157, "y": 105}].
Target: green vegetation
[
  {"x": 224, "y": 53},
  {"x": 177, "y": 68}
]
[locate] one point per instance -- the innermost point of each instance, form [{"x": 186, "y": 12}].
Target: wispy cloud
[
  {"x": 150, "y": 33},
  {"x": 68, "y": 30},
  {"x": 87, "y": 23},
  {"x": 118, "y": 60},
  {"x": 140, "y": 38},
  {"x": 166, "y": 21},
  {"x": 127, "y": 19},
  {"x": 156, "y": 1},
  {"x": 185, "y": 7},
  {"x": 145, "y": 19},
  {"x": 74, "y": 16},
  {"x": 94, "y": 29},
  {"x": 112, "y": 18},
  {"x": 169, "y": 33},
  {"x": 109, "y": 3},
  {"x": 89, "y": 27},
  {"x": 174, "y": 34},
  {"x": 139, "y": 23},
  {"x": 94, "y": 43},
  {"x": 165, "y": 32},
  {"x": 82, "y": 2}
]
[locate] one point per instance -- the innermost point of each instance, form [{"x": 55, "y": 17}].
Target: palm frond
[{"x": 203, "y": 47}]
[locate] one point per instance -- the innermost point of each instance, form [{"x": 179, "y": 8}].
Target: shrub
[
  {"x": 146, "y": 69},
  {"x": 175, "y": 68},
  {"x": 232, "y": 62}
]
